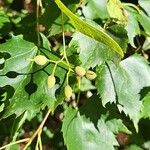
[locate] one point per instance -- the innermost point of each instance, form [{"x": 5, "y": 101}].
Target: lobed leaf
[
  {"x": 31, "y": 93},
  {"x": 91, "y": 52},
  {"x": 19, "y": 53},
  {"x": 98, "y": 126},
  {"x": 89, "y": 136},
  {"x": 122, "y": 84}
]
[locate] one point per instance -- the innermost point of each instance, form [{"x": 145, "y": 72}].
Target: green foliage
[
  {"x": 116, "y": 11},
  {"x": 146, "y": 106},
  {"x": 145, "y": 6},
  {"x": 110, "y": 39},
  {"x": 101, "y": 134},
  {"x": 132, "y": 27},
  {"x": 95, "y": 9},
  {"x": 92, "y": 138},
  {"x": 91, "y": 52},
  {"x": 3, "y": 19},
  {"x": 89, "y": 30},
  {"x": 123, "y": 83}
]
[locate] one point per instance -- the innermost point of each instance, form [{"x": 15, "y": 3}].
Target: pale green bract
[{"x": 89, "y": 30}]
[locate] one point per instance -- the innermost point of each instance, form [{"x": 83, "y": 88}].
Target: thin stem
[
  {"x": 38, "y": 5},
  {"x": 64, "y": 42},
  {"x": 79, "y": 88},
  {"x": 139, "y": 45},
  {"x": 52, "y": 61},
  {"x": 64, "y": 46},
  {"x": 65, "y": 55},
  {"x": 67, "y": 78},
  {"x": 37, "y": 144},
  {"x": 63, "y": 62},
  {"x": 40, "y": 141},
  {"x": 54, "y": 69},
  {"x": 56, "y": 63},
  {"x": 38, "y": 130},
  {"x": 13, "y": 143}
]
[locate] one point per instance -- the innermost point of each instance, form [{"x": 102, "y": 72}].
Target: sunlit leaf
[
  {"x": 122, "y": 84},
  {"x": 97, "y": 33}
]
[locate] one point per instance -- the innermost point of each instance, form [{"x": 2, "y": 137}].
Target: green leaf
[
  {"x": 146, "y": 45},
  {"x": 94, "y": 110},
  {"x": 123, "y": 83},
  {"x": 4, "y": 19},
  {"x": 31, "y": 91},
  {"x": 146, "y": 144},
  {"x": 106, "y": 135},
  {"x": 2, "y": 107},
  {"x": 134, "y": 147},
  {"x": 86, "y": 85},
  {"x": 132, "y": 27},
  {"x": 96, "y": 33},
  {"x": 145, "y": 22},
  {"x": 116, "y": 126},
  {"x": 119, "y": 34},
  {"x": 134, "y": 18},
  {"x": 89, "y": 136},
  {"x": 17, "y": 124},
  {"x": 20, "y": 52},
  {"x": 45, "y": 43},
  {"x": 95, "y": 9},
  {"x": 98, "y": 126},
  {"x": 91, "y": 52},
  {"x": 54, "y": 25},
  {"x": 105, "y": 85},
  {"x": 13, "y": 147},
  {"x": 25, "y": 25},
  {"x": 9, "y": 1},
  {"x": 37, "y": 95},
  {"x": 146, "y": 106},
  {"x": 116, "y": 10},
  {"x": 145, "y": 5}
]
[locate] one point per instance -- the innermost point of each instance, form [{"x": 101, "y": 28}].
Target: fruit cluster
[{"x": 80, "y": 71}]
